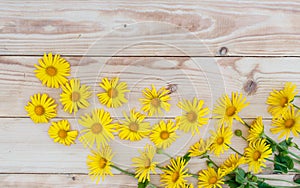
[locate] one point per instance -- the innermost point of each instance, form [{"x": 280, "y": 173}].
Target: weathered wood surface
[{"x": 255, "y": 28}]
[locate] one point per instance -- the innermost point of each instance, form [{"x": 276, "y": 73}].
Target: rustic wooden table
[{"x": 205, "y": 48}]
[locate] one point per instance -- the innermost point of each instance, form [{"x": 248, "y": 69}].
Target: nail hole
[
  {"x": 223, "y": 51},
  {"x": 172, "y": 88},
  {"x": 125, "y": 25},
  {"x": 73, "y": 178},
  {"x": 250, "y": 87}
]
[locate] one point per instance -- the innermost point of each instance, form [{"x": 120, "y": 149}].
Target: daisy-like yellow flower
[
  {"x": 209, "y": 178},
  {"x": 256, "y": 130},
  {"x": 41, "y": 108},
  {"x": 289, "y": 122},
  {"x": 230, "y": 164},
  {"x": 188, "y": 186},
  {"x": 256, "y": 154},
  {"x": 98, "y": 128},
  {"x": 200, "y": 148},
  {"x": 227, "y": 109},
  {"x": 74, "y": 96},
  {"x": 144, "y": 163},
  {"x": 155, "y": 101},
  {"x": 52, "y": 71},
  {"x": 220, "y": 139},
  {"x": 99, "y": 163},
  {"x": 163, "y": 134},
  {"x": 60, "y": 132},
  {"x": 280, "y": 101},
  {"x": 134, "y": 127},
  {"x": 193, "y": 116},
  {"x": 114, "y": 92},
  {"x": 174, "y": 174}
]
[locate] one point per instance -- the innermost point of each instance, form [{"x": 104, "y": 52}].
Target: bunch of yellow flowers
[{"x": 100, "y": 128}]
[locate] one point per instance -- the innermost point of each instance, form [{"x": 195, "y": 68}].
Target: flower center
[
  {"x": 75, "y": 96},
  {"x": 256, "y": 155},
  {"x": 289, "y": 123},
  {"x": 164, "y": 135},
  {"x": 39, "y": 110},
  {"x": 51, "y": 71},
  {"x": 147, "y": 163},
  {"x": 191, "y": 116},
  {"x": 102, "y": 163},
  {"x": 155, "y": 102},
  {"x": 175, "y": 176},
  {"x": 230, "y": 111},
  {"x": 62, "y": 134},
  {"x": 96, "y": 128},
  {"x": 112, "y": 93},
  {"x": 134, "y": 127},
  {"x": 220, "y": 140},
  {"x": 213, "y": 180},
  {"x": 283, "y": 101}
]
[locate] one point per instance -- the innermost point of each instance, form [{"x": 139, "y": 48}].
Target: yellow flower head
[
  {"x": 188, "y": 185},
  {"x": 230, "y": 164},
  {"x": 220, "y": 139},
  {"x": 289, "y": 122},
  {"x": 193, "y": 116},
  {"x": 134, "y": 127},
  {"x": 174, "y": 174},
  {"x": 98, "y": 128},
  {"x": 256, "y": 130},
  {"x": 99, "y": 163},
  {"x": 60, "y": 132},
  {"x": 210, "y": 178},
  {"x": 280, "y": 101},
  {"x": 200, "y": 148},
  {"x": 41, "y": 108},
  {"x": 256, "y": 154},
  {"x": 114, "y": 93},
  {"x": 144, "y": 163},
  {"x": 52, "y": 71},
  {"x": 155, "y": 101},
  {"x": 74, "y": 96},
  {"x": 228, "y": 109},
  {"x": 163, "y": 134}
]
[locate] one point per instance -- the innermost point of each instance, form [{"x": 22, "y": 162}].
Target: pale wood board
[{"x": 246, "y": 28}]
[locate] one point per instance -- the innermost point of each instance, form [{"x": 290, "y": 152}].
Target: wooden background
[{"x": 205, "y": 48}]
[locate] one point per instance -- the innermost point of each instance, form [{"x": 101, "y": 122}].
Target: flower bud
[
  {"x": 209, "y": 164},
  {"x": 238, "y": 133},
  {"x": 159, "y": 151},
  {"x": 254, "y": 179}
]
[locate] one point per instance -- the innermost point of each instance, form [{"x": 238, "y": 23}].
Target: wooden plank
[
  {"x": 26, "y": 148},
  {"x": 155, "y": 28},
  {"x": 205, "y": 78},
  {"x": 79, "y": 180}
]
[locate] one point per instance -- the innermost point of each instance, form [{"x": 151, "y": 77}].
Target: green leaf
[
  {"x": 232, "y": 183},
  {"x": 240, "y": 176},
  {"x": 285, "y": 144},
  {"x": 278, "y": 167},
  {"x": 262, "y": 184},
  {"x": 186, "y": 157},
  {"x": 143, "y": 184}
]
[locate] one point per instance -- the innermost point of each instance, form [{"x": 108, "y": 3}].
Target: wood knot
[
  {"x": 250, "y": 87},
  {"x": 223, "y": 51},
  {"x": 296, "y": 177}
]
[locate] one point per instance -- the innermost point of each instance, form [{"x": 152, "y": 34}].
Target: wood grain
[
  {"x": 205, "y": 78},
  {"x": 150, "y": 28}
]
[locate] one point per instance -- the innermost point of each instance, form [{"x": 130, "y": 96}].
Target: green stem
[
  {"x": 208, "y": 157},
  {"x": 293, "y": 154},
  {"x": 296, "y": 106},
  {"x": 234, "y": 150},
  {"x": 275, "y": 162},
  {"x": 246, "y": 124},
  {"x": 282, "y": 180},
  {"x": 297, "y": 96},
  {"x": 244, "y": 138}
]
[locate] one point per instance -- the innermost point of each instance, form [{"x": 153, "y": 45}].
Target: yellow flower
[
  {"x": 188, "y": 185},
  {"x": 175, "y": 173},
  {"x": 114, "y": 92},
  {"x": 134, "y": 127},
  {"x": 74, "y": 96},
  {"x": 99, "y": 128},
  {"x": 52, "y": 71},
  {"x": 280, "y": 101},
  {"x": 289, "y": 122},
  {"x": 99, "y": 163},
  {"x": 60, "y": 132},
  {"x": 193, "y": 116},
  {"x": 155, "y": 101},
  {"x": 200, "y": 148},
  {"x": 230, "y": 164},
  {"x": 144, "y": 164},
  {"x": 209, "y": 178},
  {"x": 256, "y": 154},
  {"x": 41, "y": 108},
  {"x": 220, "y": 139},
  {"x": 256, "y": 130},
  {"x": 163, "y": 134},
  {"x": 228, "y": 109}
]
